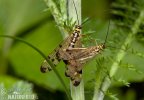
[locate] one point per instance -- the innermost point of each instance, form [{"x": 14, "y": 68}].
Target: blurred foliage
[{"x": 29, "y": 20}]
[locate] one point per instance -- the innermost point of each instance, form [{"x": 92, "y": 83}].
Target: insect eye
[{"x": 103, "y": 46}]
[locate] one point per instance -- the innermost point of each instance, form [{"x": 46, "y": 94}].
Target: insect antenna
[
  {"x": 107, "y": 33},
  {"x": 76, "y": 11}
]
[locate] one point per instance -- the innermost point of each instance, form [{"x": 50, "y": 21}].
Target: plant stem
[
  {"x": 60, "y": 16},
  {"x": 121, "y": 53},
  {"x": 69, "y": 9},
  {"x": 74, "y": 12},
  {"x": 77, "y": 93},
  {"x": 98, "y": 83}
]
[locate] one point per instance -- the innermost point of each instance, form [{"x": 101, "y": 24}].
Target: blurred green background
[{"x": 30, "y": 20}]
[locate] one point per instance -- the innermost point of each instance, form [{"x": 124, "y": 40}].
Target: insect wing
[{"x": 57, "y": 55}]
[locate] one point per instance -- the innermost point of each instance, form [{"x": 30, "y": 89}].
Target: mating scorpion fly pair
[{"x": 71, "y": 52}]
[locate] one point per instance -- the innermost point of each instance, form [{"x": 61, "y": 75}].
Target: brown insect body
[
  {"x": 75, "y": 59},
  {"x": 70, "y": 51},
  {"x": 73, "y": 55}
]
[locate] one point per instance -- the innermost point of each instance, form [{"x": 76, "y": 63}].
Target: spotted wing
[
  {"x": 57, "y": 55},
  {"x": 54, "y": 56}
]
